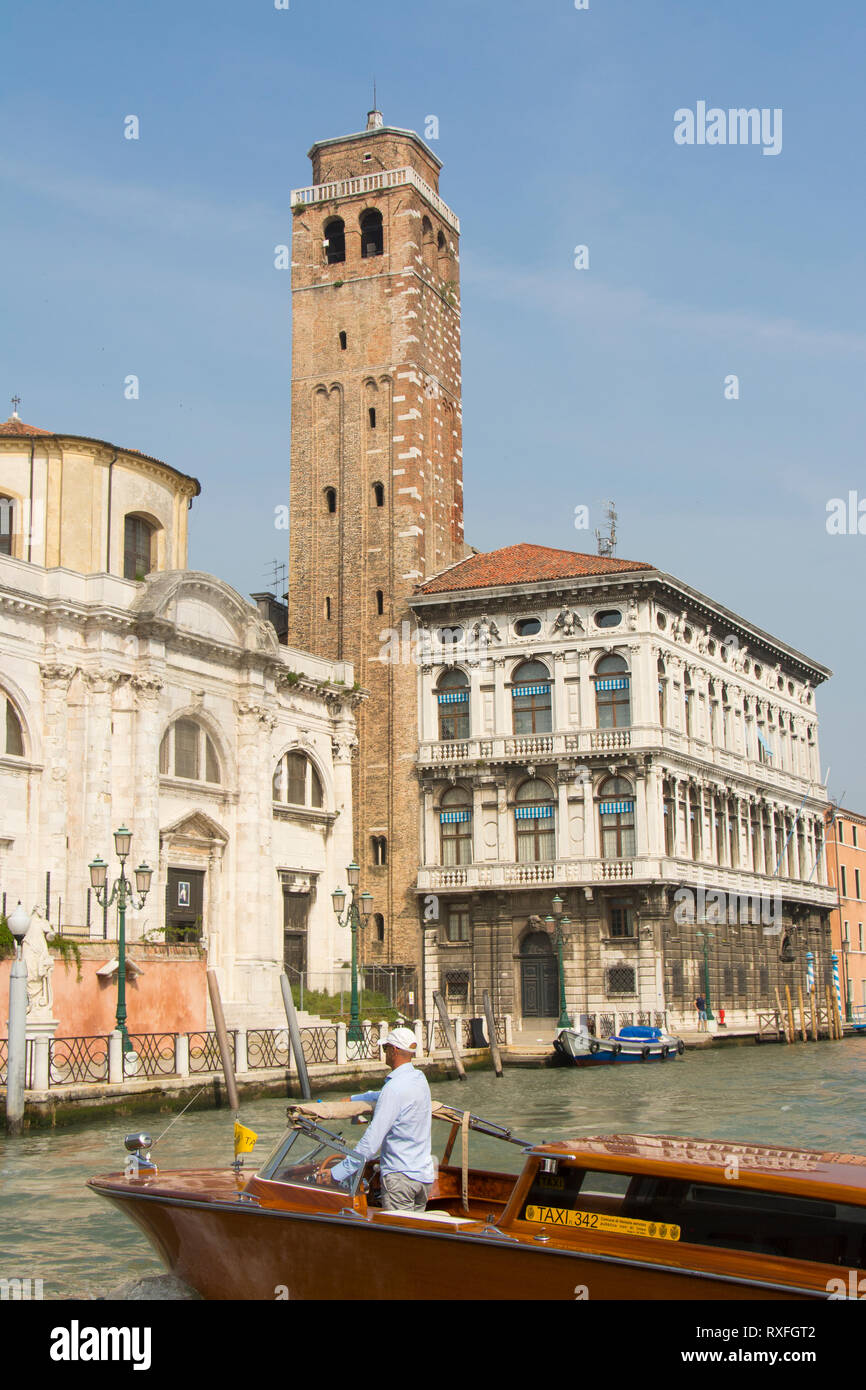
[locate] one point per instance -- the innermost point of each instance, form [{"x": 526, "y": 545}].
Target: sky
[{"x": 155, "y": 257}]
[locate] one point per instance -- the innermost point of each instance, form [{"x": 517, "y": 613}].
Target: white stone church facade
[{"x": 136, "y": 691}]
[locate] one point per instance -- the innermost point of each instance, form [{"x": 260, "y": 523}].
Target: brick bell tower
[{"x": 376, "y": 499}]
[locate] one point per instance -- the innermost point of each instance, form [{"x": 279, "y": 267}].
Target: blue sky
[{"x": 155, "y": 257}]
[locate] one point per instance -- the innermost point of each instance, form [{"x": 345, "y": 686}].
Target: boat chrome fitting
[{"x": 138, "y": 1159}]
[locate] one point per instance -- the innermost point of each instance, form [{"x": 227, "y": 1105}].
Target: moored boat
[
  {"x": 609, "y": 1217},
  {"x": 631, "y": 1044}
]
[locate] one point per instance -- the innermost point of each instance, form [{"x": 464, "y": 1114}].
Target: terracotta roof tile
[
  {"x": 523, "y": 564},
  {"x": 14, "y": 426}
]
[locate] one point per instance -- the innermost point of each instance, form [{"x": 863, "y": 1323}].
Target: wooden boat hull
[{"x": 228, "y": 1249}]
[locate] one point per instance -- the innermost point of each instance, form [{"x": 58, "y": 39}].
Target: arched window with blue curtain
[
  {"x": 535, "y": 821},
  {"x": 612, "y": 694},
  {"x": 530, "y": 699},
  {"x": 455, "y": 826},
  {"x": 452, "y": 694},
  {"x": 616, "y": 815}
]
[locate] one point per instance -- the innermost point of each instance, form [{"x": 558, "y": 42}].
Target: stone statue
[
  {"x": 568, "y": 623},
  {"x": 40, "y": 965}
]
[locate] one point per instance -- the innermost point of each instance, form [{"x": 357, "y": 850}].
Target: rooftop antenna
[
  {"x": 276, "y": 577},
  {"x": 16, "y": 401},
  {"x": 606, "y": 541},
  {"x": 374, "y": 117}
]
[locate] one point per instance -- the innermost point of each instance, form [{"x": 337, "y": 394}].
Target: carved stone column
[
  {"x": 54, "y": 801},
  {"x": 146, "y": 690}
]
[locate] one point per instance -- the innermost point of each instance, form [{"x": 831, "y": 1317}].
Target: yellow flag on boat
[{"x": 245, "y": 1139}]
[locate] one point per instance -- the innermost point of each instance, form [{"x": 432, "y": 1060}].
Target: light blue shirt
[{"x": 400, "y": 1128}]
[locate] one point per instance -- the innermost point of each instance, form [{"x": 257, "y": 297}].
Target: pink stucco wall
[{"x": 169, "y": 996}]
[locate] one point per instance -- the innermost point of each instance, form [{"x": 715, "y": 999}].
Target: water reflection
[{"x": 54, "y": 1228}]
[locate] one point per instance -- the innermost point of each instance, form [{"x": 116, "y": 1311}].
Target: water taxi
[
  {"x": 607, "y": 1217},
  {"x": 633, "y": 1043}
]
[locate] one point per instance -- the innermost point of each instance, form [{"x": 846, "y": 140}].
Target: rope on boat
[{"x": 177, "y": 1117}]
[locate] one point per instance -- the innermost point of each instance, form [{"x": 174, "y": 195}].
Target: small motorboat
[
  {"x": 633, "y": 1043},
  {"x": 622, "y": 1216}
]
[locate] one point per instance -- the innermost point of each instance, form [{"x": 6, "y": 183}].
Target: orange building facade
[{"x": 846, "y": 866}]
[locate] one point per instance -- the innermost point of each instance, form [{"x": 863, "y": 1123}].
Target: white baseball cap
[{"x": 402, "y": 1038}]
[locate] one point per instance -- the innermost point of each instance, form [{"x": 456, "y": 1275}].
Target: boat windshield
[{"x": 307, "y": 1155}]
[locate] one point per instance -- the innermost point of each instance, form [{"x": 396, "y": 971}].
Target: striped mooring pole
[
  {"x": 810, "y": 973},
  {"x": 834, "y": 960}
]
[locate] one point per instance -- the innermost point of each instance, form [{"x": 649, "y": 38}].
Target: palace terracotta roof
[{"x": 524, "y": 564}]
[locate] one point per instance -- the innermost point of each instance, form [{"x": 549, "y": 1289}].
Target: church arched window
[
  {"x": 187, "y": 751},
  {"x": 335, "y": 241},
  {"x": 331, "y": 499},
  {"x": 372, "y": 233},
  {"x": 139, "y": 546},
  {"x": 13, "y": 745},
  {"x": 296, "y": 781},
  {"x": 452, "y": 696},
  {"x": 7, "y": 524},
  {"x": 612, "y": 697}
]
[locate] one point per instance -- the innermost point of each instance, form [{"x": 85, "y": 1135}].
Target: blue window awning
[
  {"x": 533, "y": 812},
  {"x": 765, "y": 745},
  {"x": 453, "y": 696},
  {"x": 616, "y": 808},
  {"x": 517, "y": 690},
  {"x": 450, "y": 817},
  {"x": 614, "y": 683}
]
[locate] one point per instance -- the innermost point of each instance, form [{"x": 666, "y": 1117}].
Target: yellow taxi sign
[
  {"x": 596, "y": 1221},
  {"x": 245, "y": 1139}
]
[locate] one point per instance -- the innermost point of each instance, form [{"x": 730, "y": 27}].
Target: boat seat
[{"x": 444, "y": 1216}]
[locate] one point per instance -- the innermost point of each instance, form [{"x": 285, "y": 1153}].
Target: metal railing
[{"x": 73, "y": 1061}]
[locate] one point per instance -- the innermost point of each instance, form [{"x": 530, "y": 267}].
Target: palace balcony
[{"x": 587, "y": 873}]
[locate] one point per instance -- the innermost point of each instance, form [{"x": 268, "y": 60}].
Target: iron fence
[
  {"x": 156, "y": 1053},
  {"x": 77, "y": 1060},
  {"x": 268, "y": 1047},
  {"x": 319, "y": 1044},
  {"x": 204, "y": 1052},
  {"x": 28, "y": 1062}
]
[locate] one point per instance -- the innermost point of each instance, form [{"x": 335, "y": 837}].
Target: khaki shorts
[{"x": 400, "y": 1193}]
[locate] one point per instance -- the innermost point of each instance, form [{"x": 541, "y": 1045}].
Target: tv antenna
[
  {"x": 606, "y": 541},
  {"x": 277, "y": 578}
]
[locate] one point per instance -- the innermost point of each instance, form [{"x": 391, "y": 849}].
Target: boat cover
[
  {"x": 348, "y": 1109},
  {"x": 639, "y": 1031}
]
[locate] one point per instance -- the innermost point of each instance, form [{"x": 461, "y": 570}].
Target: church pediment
[
  {"x": 202, "y": 606},
  {"x": 195, "y": 828}
]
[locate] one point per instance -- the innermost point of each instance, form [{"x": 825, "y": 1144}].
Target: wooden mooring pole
[
  {"x": 804, "y": 1035},
  {"x": 449, "y": 1034},
  {"x": 791, "y": 1028},
  {"x": 295, "y": 1036},
  {"x": 219, "y": 1024},
  {"x": 782, "y": 1019},
  {"x": 491, "y": 1033}
]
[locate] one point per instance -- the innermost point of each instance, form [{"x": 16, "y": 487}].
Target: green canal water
[{"x": 52, "y": 1227}]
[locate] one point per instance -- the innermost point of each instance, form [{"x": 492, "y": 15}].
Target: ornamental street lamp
[
  {"x": 355, "y": 919},
  {"x": 559, "y": 923},
  {"x": 121, "y": 890},
  {"x": 706, "y": 936}
]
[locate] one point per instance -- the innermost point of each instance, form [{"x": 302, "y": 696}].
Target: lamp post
[
  {"x": 18, "y": 922},
  {"x": 121, "y": 890},
  {"x": 559, "y": 923},
  {"x": 706, "y": 936},
  {"x": 355, "y": 919}
]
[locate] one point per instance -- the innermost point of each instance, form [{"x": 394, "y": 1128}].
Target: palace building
[{"x": 593, "y": 730}]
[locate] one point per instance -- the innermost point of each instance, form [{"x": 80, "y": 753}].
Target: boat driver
[{"x": 399, "y": 1130}]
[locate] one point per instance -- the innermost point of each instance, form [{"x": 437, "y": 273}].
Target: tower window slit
[
  {"x": 371, "y": 412},
  {"x": 343, "y": 342}
]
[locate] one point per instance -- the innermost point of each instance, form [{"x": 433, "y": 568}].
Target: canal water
[{"x": 52, "y": 1227}]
